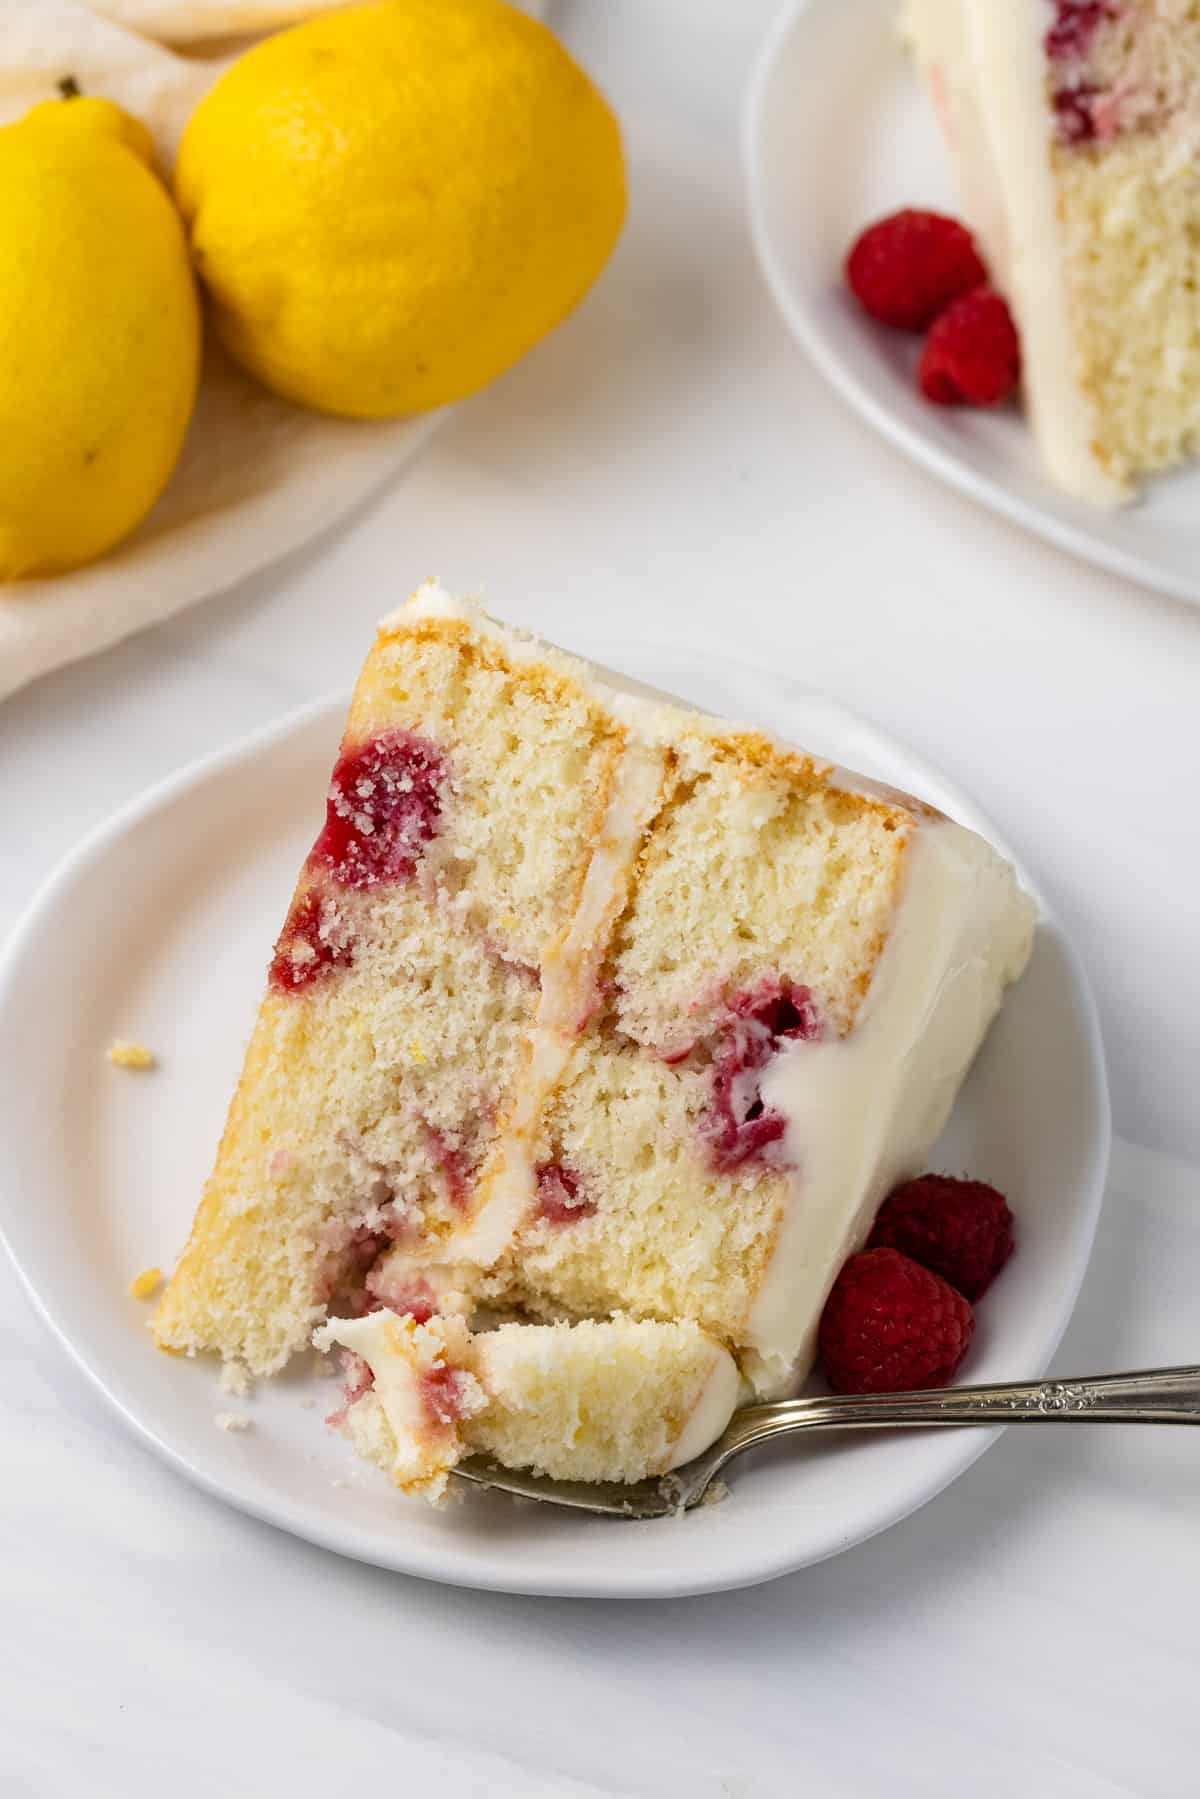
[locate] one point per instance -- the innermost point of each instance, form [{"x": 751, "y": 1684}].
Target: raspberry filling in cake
[
  {"x": 1120, "y": 67},
  {"x": 596, "y": 1016},
  {"x": 358, "y": 1378},
  {"x": 315, "y": 940},
  {"x": 739, "y": 1125},
  {"x": 385, "y": 800},
  {"x": 560, "y": 1197}
]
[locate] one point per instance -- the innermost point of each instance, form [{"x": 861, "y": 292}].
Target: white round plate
[
  {"x": 158, "y": 927},
  {"x": 837, "y": 132}
]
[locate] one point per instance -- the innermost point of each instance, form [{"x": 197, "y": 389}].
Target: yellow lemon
[
  {"x": 391, "y": 203},
  {"x": 99, "y": 335}
]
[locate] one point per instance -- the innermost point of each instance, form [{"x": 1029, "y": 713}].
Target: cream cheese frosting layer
[
  {"x": 863, "y": 1111},
  {"x": 710, "y": 1414},
  {"x": 569, "y": 974}
]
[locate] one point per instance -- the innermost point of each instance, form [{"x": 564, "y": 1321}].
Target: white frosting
[
  {"x": 863, "y": 1111},
  {"x": 712, "y": 1411},
  {"x": 985, "y": 67},
  {"x": 430, "y": 600}
]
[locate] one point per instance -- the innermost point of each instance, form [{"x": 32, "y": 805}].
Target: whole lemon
[
  {"x": 391, "y": 203},
  {"x": 99, "y": 335}
]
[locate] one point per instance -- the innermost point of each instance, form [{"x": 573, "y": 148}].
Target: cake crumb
[
  {"x": 146, "y": 1284},
  {"x": 232, "y": 1421},
  {"x": 124, "y": 1052},
  {"x": 235, "y": 1379},
  {"x": 716, "y": 1493}
]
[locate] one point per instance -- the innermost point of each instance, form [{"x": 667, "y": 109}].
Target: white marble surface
[{"x": 667, "y": 469}]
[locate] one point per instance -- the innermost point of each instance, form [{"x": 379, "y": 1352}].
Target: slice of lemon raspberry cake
[
  {"x": 1073, "y": 128},
  {"x": 591, "y": 1011}
]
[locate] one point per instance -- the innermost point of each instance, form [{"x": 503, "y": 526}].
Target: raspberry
[
  {"x": 890, "y": 1325},
  {"x": 906, "y": 269},
  {"x": 385, "y": 803},
  {"x": 452, "y": 1163},
  {"x": 782, "y": 1008},
  {"x": 446, "y": 1394},
  {"x": 972, "y": 356},
  {"x": 1075, "y": 23},
  {"x": 561, "y": 1199},
  {"x": 406, "y": 1293},
  {"x": 1075, "y": 113},
  {"x": 738, "y": 1125},
  {"x": 314, "y": 940},
  {"x": 359, "y": 1380},
  {"x": 962, "y": 1230}
]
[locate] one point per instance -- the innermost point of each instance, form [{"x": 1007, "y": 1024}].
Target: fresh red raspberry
[
  {"x": 890, "y": 1325},
  {"x": 962, "y": 1230},
  {"x": 906, "y": 269},
  {"x": 972, "y": 356}
]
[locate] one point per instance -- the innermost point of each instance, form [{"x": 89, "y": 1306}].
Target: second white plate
[
  {"x": 837, "y": 132},
  {"x": 159, "y": 926}
]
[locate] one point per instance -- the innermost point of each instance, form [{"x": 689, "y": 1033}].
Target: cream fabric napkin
[
  {"x": 193, "y": 21},
  {"x": 257, "y": 477}
]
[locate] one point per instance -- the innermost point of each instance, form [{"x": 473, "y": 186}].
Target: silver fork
[{"x": 1156, "y": 1396}]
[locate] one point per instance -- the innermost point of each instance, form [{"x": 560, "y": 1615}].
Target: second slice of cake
[
  {"x": 1071, "y": 125},
  {"x": 588, "y": 1010}
]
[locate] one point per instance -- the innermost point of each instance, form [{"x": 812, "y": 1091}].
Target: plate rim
[
  {"x": 431, "y": 1563},
  {"x": 982, "y": 489}
]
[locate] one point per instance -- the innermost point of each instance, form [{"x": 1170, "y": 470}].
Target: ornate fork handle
[{"x": 1156, "y": 1396}]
